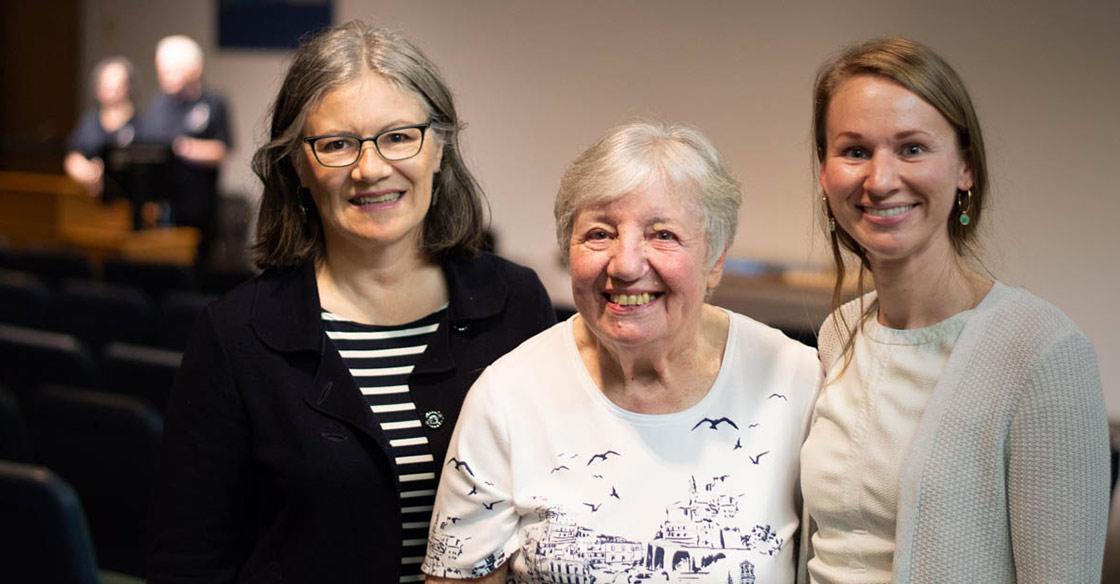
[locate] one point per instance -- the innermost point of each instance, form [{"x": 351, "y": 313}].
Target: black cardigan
[{"x": 273, "y": 468}]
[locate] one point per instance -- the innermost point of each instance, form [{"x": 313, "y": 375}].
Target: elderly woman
[
  {"x": 961, "y": 433},
  {"x": 315, "y": 403},
  {"x": 651, "y": 435},
  {"x": 111, "y": 122}
]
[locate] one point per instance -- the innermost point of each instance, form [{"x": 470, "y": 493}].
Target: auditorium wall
[{"x": 537, "y": 81}]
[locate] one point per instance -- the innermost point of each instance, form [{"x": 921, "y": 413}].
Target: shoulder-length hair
[
  {"x": 921, "y": 71},
  {"x": 289, "y": 229}
]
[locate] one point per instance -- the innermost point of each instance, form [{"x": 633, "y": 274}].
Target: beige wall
[{"x": 538, "y": 80}]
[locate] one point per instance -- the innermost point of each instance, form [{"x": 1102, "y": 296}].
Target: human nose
[
  {"x": 370, "y": 166},
  {"x": 882, "y": 175},
  {"x": 628, "y": 259}
]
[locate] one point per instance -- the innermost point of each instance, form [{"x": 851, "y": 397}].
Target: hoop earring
[
  {"x": 828, "y": 211},
  {"x": 964, "y": 203}
]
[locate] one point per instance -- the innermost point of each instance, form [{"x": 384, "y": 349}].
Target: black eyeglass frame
[{"x": 424, "y": 127}]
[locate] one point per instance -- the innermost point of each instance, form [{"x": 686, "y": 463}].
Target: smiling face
[
  {"x": 891, "y": 171},
  {"x": 372, "y": 204},
  {"x": 639, "y": 270}
]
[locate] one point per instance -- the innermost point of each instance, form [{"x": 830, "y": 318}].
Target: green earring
[{"x": 965, "y": 204}]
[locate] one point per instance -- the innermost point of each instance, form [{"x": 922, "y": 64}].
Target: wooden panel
[
  {"x": 36, "y": 208},
  {"x": 49, "y": 211},
  {"x": 788, "y": 300}
]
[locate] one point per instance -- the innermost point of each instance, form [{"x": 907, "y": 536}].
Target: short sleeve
[
  {"x": 219, "y": 122},
  {"x": 474, "y": 522},
  {"x": 87, "y": 138}
]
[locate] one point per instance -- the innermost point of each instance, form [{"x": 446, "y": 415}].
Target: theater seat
[
  {"x": 106, "y": 446},
  {"x": 154, "y": 279},
  {"x": 43, "y": 529},
  {"x": 15, "y": 443},
  {"x": 142, "y": 372},
  {"x": 178, "y": 313},
  {"x": 98, "y": 313},
  {"x": 32, "y": 357},
  {"x": 24, "y": 299},
  {"x": 53, "y": 266}
]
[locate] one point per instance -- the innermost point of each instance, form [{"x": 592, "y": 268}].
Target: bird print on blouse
[{"x": 701, "y": 534}]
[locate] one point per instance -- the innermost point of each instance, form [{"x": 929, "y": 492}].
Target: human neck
[
  {"x": 190, "y": 92},
  {"x": 914, "y": 296},
  {"x": 658, "y": 378},
  {"x": 377, "y": 286},
  {"x": 114, "y": 115}
]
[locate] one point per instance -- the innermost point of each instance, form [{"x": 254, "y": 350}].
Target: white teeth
[
  {"x": 889, "y": 211},
  {"x": 632, "y": 299},
  {"x": 378, "y": 199}
]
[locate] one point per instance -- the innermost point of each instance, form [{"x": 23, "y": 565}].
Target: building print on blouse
[
  {"x": 696, "y": 540},
  {"x": 448, "y": 547}
]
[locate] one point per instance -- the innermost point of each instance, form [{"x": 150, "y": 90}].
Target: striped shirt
[{"x": 380, "y": 358}]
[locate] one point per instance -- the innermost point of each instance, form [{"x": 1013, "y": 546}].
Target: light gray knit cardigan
[{"x": 1007, "y": 475}]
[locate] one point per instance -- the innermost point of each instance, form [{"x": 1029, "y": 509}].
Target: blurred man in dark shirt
[{"x": 195, "y": 123}]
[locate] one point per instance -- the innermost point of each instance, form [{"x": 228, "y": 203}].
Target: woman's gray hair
[{"x": 629, "y": 156}]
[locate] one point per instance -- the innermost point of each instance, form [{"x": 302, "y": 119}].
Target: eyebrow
[
  {"x": 912, "y": 133},
  {"x": 389, "y": 126},
  {"x": 897, "y": 136}
]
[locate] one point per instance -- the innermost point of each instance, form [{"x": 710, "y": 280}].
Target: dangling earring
[
  {"x": 828, "y": 210},
  {"x": 303, "y": 193},
  {"x": 964, "y": 203}
]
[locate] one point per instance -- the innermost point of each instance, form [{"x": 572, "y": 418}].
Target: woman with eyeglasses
[{"x": 309, "y": 422}]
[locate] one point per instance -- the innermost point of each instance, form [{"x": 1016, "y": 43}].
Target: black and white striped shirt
[{"x": 380, "y": 358}]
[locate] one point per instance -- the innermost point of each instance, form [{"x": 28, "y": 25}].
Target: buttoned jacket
[{"x": 273, "y": 468}]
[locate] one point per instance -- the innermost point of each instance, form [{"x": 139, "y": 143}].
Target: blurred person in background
[
  {"x": 195, "y": 123},
  {"x": 111, "y": 122}
]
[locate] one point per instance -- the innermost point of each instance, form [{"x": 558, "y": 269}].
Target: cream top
[{"x": 860, "y": 435}]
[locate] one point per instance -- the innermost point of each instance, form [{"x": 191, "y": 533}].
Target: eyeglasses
[{"x": 338, "y": 150}]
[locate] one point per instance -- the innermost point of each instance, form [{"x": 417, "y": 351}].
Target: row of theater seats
[
  {"x": 100, "y": 312},
  {"x": 87, "y": 360},
  {"x": 155, "y": 279},
  {"x": 69, "y": 458}
]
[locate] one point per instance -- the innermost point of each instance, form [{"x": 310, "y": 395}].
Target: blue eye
[
  {"x": 664, "y": 235},
  {"x": 856, "y": 152}
]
